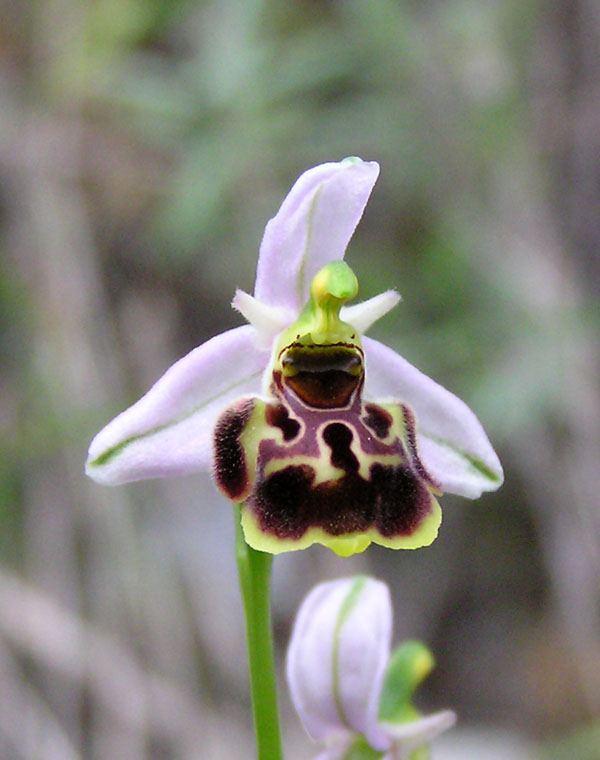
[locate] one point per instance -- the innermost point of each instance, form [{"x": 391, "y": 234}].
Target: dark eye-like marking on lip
[
  {"x": 277, "y": 415},
  {"x": 338, "y": 437},
  {"x": 378, "y": 420},
  {"x": 323, "y": 377}
]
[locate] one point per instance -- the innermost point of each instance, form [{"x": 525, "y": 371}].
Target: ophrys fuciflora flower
[{"x": 326, "y": 435}]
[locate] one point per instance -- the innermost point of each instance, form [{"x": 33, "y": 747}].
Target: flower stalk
[{"x": 254, "y": 570}]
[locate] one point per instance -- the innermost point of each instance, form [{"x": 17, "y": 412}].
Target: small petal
[
  {"x": 169, "y": 431},
  {"x": 268, "y": 321},
  {"x": 362, "y": 315},
  {"x": 337, "y": 658},
  {"x": 452, "y": 443},
  {"x": 406, "y": 737},
  {"x": 313, "y": 226}
]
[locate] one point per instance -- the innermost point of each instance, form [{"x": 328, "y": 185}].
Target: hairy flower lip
[{"x": 168, "y": 432}]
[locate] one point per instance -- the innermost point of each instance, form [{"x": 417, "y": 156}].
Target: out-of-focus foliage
[
  {"x": 143, "y": 146},
  {"x": 582, "y": 743}
]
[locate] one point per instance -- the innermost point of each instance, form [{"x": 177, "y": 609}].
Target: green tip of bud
[
  {"x": 408, "y": 667},
  {"x": 352, "y": 160}
]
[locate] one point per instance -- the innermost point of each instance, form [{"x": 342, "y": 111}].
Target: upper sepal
[{"x": 313, "y": 227}]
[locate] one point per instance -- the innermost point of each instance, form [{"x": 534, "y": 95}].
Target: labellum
[{"x": 313, "y": 461}]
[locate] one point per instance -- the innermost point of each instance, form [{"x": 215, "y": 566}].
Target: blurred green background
[{"x": 143, "y": 146}]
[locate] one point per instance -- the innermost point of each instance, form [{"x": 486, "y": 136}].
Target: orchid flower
[
  {"x": 352, "y": 697},
  {"x": 324, "y": 435}
]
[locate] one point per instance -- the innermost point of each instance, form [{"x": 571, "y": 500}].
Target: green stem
[{"x": 254, "y": 569}]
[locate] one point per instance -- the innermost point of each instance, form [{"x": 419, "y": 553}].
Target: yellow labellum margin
[{"x": 312, "y": 461}]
